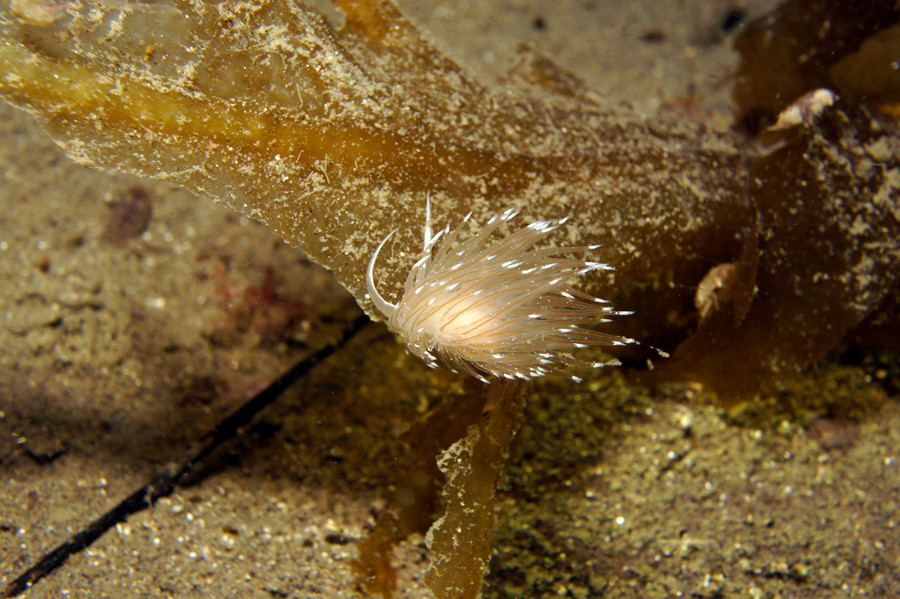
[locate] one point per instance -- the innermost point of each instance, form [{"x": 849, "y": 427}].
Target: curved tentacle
[{"x": 384, "y": 306}]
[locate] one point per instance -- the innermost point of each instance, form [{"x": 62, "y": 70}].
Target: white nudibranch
[{"x": 499, "y": 308}]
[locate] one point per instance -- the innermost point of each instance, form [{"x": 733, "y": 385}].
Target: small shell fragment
[
  {"x": 715, "y": 287},
  {"x": 805, "y": 109}
]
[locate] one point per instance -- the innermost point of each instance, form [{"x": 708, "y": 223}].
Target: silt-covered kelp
[
  {"x": 333, "y": 136},
  {"x": 826, "y": 257},
  {"x": 826, "y": 193}
]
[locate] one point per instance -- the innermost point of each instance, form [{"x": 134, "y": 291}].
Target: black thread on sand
[{"x": 169, "y": 479}]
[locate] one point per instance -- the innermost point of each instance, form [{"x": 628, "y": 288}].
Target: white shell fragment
[{"x": 805, "y": 109}]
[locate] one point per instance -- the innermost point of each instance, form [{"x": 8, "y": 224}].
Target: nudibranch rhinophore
[{"x": 501, "y": 308}]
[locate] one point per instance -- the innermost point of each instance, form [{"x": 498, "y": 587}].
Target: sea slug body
[{"x": 497, "y": 309}]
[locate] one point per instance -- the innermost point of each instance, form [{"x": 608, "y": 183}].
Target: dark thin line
[{"x": 167, "y": 480}]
